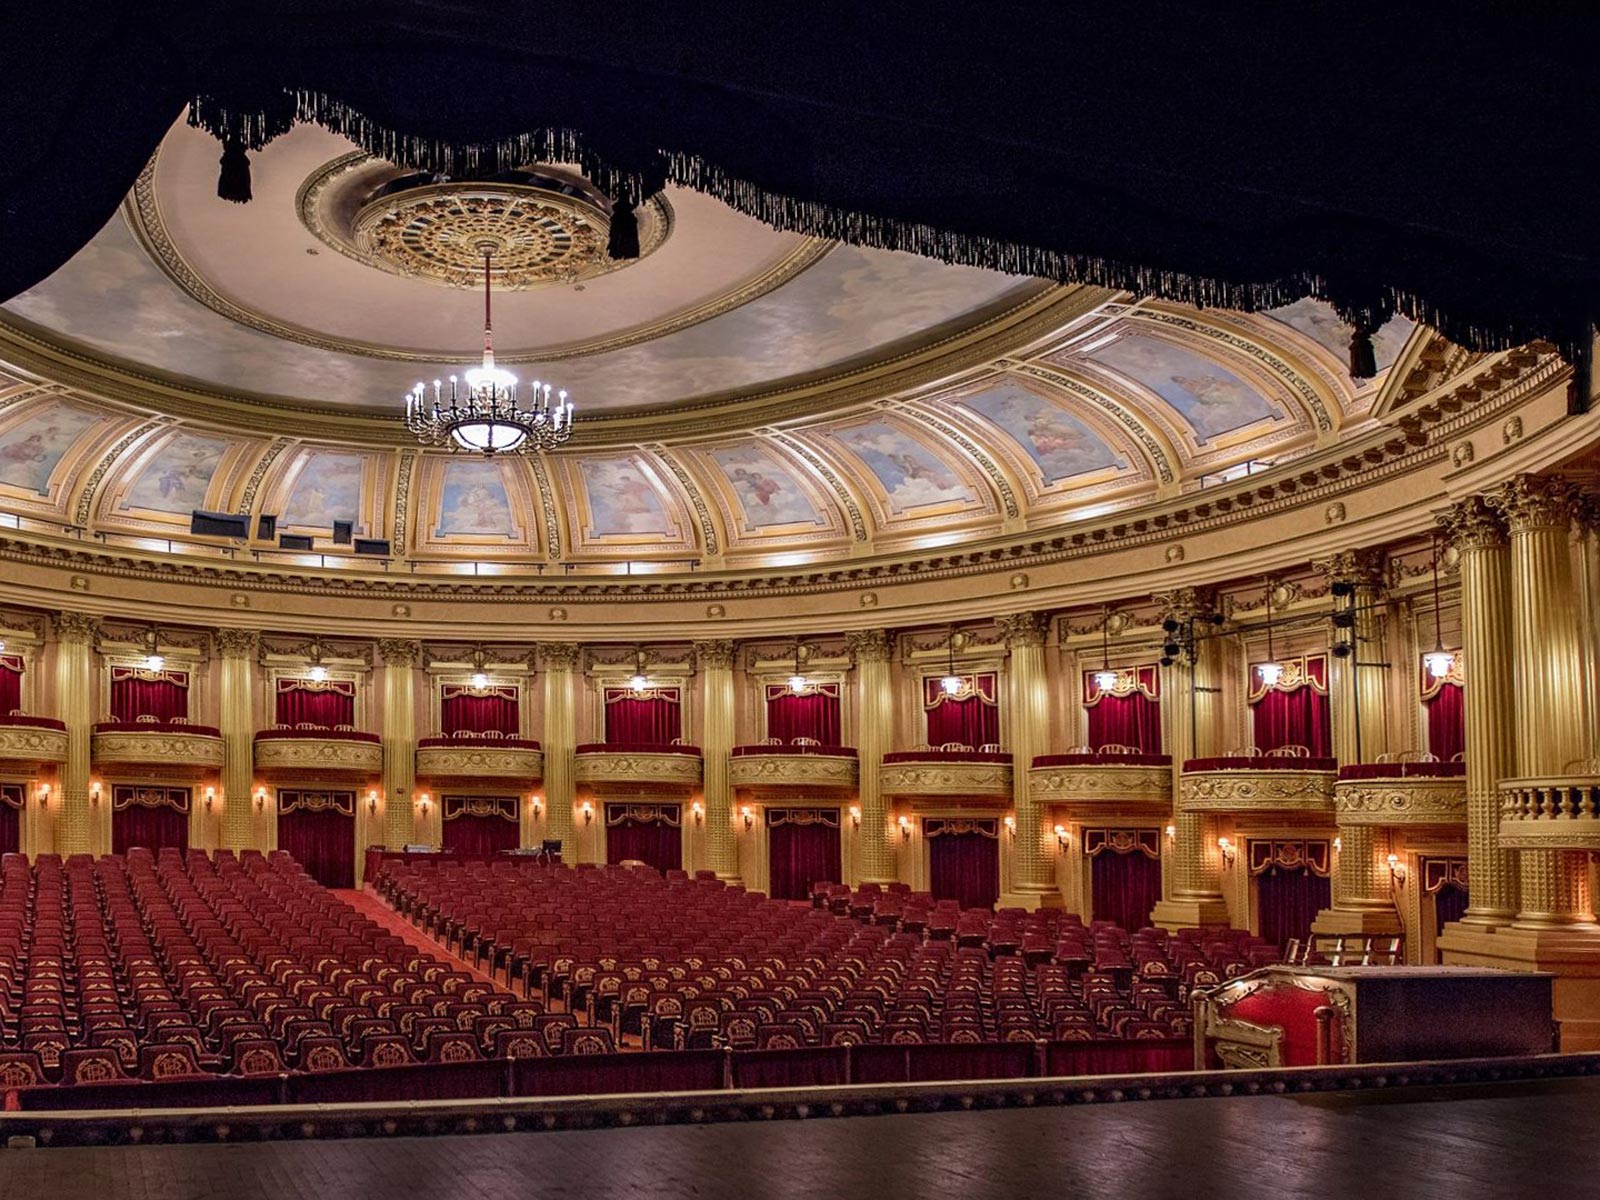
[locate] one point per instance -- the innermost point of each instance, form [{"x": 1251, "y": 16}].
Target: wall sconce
[
  {"x": 1338, "y": 844},
  {"x": 1397, "y": 870},
  {"x": 538, "y": 806},
  {"x": 1011, "y": 825},
  {"x": 372, "y": 802},
  {"x": 1063, "y": 839},
  {"x": 699, "y": 811},
  {"x": 855, "y": 815},
  {"x": 1172, "y": 832},
  {"x": 905, "y": 827},
  {"x": 588, "y": 811},
  {"x": 749, "y": 818},
  {"x": 1224, "y": 845},
  {"x": 211, "y": 798},
  {"x": 261, "y": 799},
  {"x": 422, "y": 805},
  {"x": 94, "y": 792}
]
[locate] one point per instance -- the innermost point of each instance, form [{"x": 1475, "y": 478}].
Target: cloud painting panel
[
  {"x": 768, "y": 492},
  {"x": 909, "y": 472},
  {"x": 474, "y": 500},
  {"x": 1059, "y": 444},
  {"x": 1212, "y": 399},
  {"x": 1318, "y": 321},
  {"x": 177, "y": 478},
  {"x": 328, "y": 489},
  {"x": 623, "y": 499},
  {"x": 32, "y": 448}
]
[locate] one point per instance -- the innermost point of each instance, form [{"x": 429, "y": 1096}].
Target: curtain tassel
[{"x": 233, "y": 180}]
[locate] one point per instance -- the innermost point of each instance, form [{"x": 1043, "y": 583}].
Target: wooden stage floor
[{"x": 1501, "y": 1140}]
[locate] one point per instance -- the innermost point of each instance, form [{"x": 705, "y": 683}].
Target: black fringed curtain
[
  {"x": 323, "y": 842},
  {"x": 1124, "y": 887},
  {"x": 964, "y": 867},
  {"x": 800, "y": 853},
  {"x": 1449, "y": 904},
  {"x": 653, "y": 841},
  {"x": 1288, "y": 901}
]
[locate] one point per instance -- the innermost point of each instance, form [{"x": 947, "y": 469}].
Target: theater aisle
[{"x": 368, "y": 904}]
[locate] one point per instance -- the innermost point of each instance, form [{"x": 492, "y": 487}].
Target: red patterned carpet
[{"x": 370, "y": 904}]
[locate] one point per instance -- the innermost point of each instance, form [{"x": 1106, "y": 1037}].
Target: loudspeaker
[
  {"x": 214, "y": 524},
  {"x": 267, "y": 527},
  {"x": 294, "y": 541},
  {"x": 377, "y": 547},
  {"x": 342, "y": 531}
]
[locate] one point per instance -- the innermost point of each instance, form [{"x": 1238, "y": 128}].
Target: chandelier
[{"x": 483, "y": 415}]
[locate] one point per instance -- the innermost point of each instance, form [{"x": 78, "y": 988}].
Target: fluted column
[
  {"x": 1032, "y": 862},
  {"x": 1192, "y": 716},
  {"x": 239, "y": 649},
  {"x": 399, "y": 741},
  {"x": 1363, "y": 896},
  {"x": 560, "y": 739},
  {"x": 869, "y": 651},
  {"x": 1547, "y": 682},
  {"x": 714, "y": 662},
  {"x": 1478, "y": 535},
  {"x": 75, "y": 634}
]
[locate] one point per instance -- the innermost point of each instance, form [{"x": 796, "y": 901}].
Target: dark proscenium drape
[{"x": 802, "y": 849}]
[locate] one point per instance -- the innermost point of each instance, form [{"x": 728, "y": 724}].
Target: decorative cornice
[
  {"x": 868, "y": 645},
  {"x": 76, "y": 627},
  {"x": 1472, "y": 524},
  {"x": 25, "y": 746},
  {"x": 945, "y": 779},
  {"x": 1534, "y": 502},
  {"x": 793, "y": 770},
  {"x": 439, "y": 763},
  {"x": 166, "y": 749},
  {"x": 319, "y": 754},
  {"x": 1401, "y": 801},
  {"x": 1257, "y": 791},
  {"x": 634, "y": 770},
  {"x": 1102, "y": 784},
  {"x": 1366, "y": 567},
  {"x": 399, "y": 652},
  {"x": 715, "y": 655}
]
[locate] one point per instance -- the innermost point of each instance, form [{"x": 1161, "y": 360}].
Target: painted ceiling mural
[
  {"x": 327, "y": 488},
  {"x": 1060, "y": 444},
  {"x": 1318, "y": 321},
  {"x": 907, "y": 472},
  {"x": 177, "y": 477},
  {"x": 767, "y": 490},
  {"x": 474, "y": 501},
  {"x": 1212, "y": 399},
  {"x": 35, "y": 439}
]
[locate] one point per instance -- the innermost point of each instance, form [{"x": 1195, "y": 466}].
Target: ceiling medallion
[
  {"x": 437, "y": 231},
  {"x": 483, "y": 415}
]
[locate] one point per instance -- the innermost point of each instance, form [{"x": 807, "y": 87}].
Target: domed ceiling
[{"x": 745, "y": 396}]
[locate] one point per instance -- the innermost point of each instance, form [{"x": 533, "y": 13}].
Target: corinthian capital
[
  {"x": 76, "y": 627},
  {"x": 1365, "y": 567},
  {"x": 238, "y": 643},
  {"x": 1532, "y": 502},
  {"x": 399, "y": 652},
  {"x": 557, "y": 656},
  {"x": 867, "y": 645},
  {"x": 1471, "y": 524},
  {"x": 717, "y": 653},
  {"x": 1024, "y": 629}
]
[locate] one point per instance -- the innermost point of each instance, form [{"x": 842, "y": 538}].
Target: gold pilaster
[
  {"x": 1032, "y": 856},
  {"x": 400, "y": 742},
  {"x": 869, "y": 651},
  {"x": 238, "y": 648},
  {"x": 560, "y": 740},
  {"x": 714, "y": 661},
  {"x": 75, "y": 824}
]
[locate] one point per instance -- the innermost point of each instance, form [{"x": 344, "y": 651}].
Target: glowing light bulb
[
  {"x": 319, "y": 673},
  {"x": 1439, "y": 663},
  {"x": 951, "y": 685},
  {"x": 480, "y": 680},
  {"x": 154, "y": 662},
  {"x": 1105, "y": 680},
  {"x": 1270, "y": 673},
  {"x": 797, "y": 683}
]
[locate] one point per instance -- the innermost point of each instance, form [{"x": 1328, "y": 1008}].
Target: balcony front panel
[
  {"x": 1550, "y": 813},
  {"x": 966, "y": 774},
  {"x": 1091, "y": 782},
  {"x": 1402, "y": 794},
  {"x": 175, "y": 749},
  {"x": 467, "y": 760},
  {"x": 299, "y": 754},
  {"x": 623, "y": 769},
  {"x": 29, "y": 743},
  {"x": 806, "y": 768},
  {"x": 1258, "y": 785}
]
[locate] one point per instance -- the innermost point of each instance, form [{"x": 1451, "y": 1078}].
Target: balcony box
[
  {"x": 1402, "y": 793},
  {"x": 300, "y": 754},
  {"x": 1552, "y": 812},
  {"x": 1258, "y": 784},
  {"x": 963, "y": 774},
  {"x": 29, "y": 743},
  {"x": 634, "y": 768},
  {"x": 474, "y": 759},
  {"x": 174, "y": 749},
  {"x": 795, "y": 767},
  {"x": 1091, "y": 783}
]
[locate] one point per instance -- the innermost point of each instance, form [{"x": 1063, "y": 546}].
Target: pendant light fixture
[
  {"x": 951, "y": 683},
  {"x": 318, "y": 672},
  {"x": 1272, "y": 670},
  {"x": 153, "y": 660},
  {"x": 1438, "y": 660},
  {"x": 1105, "y": 678},
  {"x": 640, "y": 681},
  {"x": 797, "y": 681}
]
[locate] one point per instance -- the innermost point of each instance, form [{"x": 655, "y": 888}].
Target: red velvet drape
[
  {"x": 1449, "y": 904},
  {"x": 964, "y": 867},
  {"x": 1447, "y": 728},
  {"x": 10, "y": 685},
  {"x": 1131, "y": 720},
  {"x": 324, "y": 843},
  {"x": 656, "y": 720},
  {"x": 480, "y": 836},
  {"x": 1124, "y": 887},
  {"x": 10, "y": 824},
  {"x": 1288, "y": 901},
  {"x": 466, "y": 713},
  {"x": 132, "y": 698},
  {"x": 152, "y": 828},
  {"x": 969, "y": 721},
  {"x": 1297, "y": 718},
  {"x": 325, "y": 709},
  {"x": 653, "y": 842},
  {"x": 814, "y": 716},
  {"x": 800, "y": 855}
]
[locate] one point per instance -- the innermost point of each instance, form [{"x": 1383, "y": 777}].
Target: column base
[
  {"x": 1032, "y": 899},
  {"x": 1571, "y": 954},
  {"x": 1190, "y": 911},
  {"x": 1376, "y": 920}
]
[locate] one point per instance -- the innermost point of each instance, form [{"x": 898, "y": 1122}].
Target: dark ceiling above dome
[{"x": 1196, "y": 152}]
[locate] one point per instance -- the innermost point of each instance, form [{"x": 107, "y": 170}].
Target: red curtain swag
[
  {"x": 1132, "y": 720},
  {"x": 1298, "y": 718},
  {"x": 137, "y": 693},
  {"x": 1447, "y": 729},
  {"x": 802, "y": 849},
  {"x": 653, "y": 719},
  {"x": 318, "y": 829},
  {"x": 962, "y": 866},
  {"x": 494, "y": 711},
  {"x": 10, "y": 684},
  {"x": 645, "y": 834},
  {"x": 971, "y": 717},
  {"x": 813, "y": 715},
  {"x": 1124, "y": 887},
  {"x": 324, "y": 705}
]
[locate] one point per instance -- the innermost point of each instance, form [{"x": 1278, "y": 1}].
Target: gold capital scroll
[
  {"x": 1531, "y": 502},
  {"x": 76, "y": 627},
  {"x": 238, "y": 643},
  {"x": 718, "y": 653},
  {"x": 1472, "y": 524},
  {"x": 557, "y": 656},
  {"x": 1024, "y": 628},
  {"x": 868, "y": 645},
  {"x": 399, "y": 652}
]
